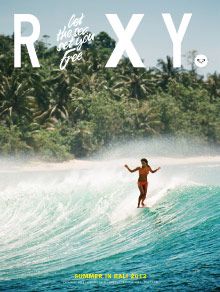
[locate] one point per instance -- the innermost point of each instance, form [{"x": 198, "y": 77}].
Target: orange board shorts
[{"x": 142, "y": 183}]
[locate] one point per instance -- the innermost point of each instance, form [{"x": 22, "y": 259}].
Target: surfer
[{"x": 142, "y": 180}]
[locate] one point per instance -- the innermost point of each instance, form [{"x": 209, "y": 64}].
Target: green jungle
[{"x": 60, "y": 114}]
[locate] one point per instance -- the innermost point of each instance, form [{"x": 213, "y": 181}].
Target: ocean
[{"x": 59, "y": 229}]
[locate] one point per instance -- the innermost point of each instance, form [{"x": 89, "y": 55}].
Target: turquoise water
[{"x": 55, "y": 224}]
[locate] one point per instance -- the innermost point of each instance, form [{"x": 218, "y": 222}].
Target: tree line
[{"x": 58, "y": 114}]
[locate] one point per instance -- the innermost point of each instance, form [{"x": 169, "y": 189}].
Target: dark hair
[{"x": 145, "y": 160}]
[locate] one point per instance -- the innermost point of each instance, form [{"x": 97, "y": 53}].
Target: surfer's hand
[
  {"x": 126, "y": 166},
  {"x": 159, "y": 168}
]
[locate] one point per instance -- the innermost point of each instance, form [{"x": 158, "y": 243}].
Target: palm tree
[
  {"x": 132, "y": 82},
  {"x": 213, "y": 85},
  {"x": 14, "y": 97},
  {"x": 166, "y": 72},
  {"x": 6, "y": 55},
  {"x": 58, "y": 95}
]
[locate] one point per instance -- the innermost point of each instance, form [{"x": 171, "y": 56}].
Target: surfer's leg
[
  {"x": 139, "y": 200},
  {"x": 141, "y": 194},
  {"x": 145, "y": 194}
]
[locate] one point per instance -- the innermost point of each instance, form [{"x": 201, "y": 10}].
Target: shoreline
[{"x": 40, "y": 165}]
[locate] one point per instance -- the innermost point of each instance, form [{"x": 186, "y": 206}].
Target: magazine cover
[{"x": 109, "y": 145}]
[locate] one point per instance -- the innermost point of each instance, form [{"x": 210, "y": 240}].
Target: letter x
[{"x": 124, "y": 40}]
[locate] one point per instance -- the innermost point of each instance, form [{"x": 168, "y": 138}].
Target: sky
[{"x": 151, "y": 39}]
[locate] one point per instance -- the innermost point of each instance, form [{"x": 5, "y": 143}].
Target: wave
[{"x": 51, "y": 220}]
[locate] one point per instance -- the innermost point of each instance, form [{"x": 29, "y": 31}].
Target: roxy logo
[
  {"x": 72, "y": 37},
  {"x": 201, "y": 61}
]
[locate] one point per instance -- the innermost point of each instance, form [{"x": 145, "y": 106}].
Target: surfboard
[{"x": 145, "y": 207}]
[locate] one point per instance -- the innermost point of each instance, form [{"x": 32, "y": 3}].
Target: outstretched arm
[
  {"x": 131, "y": 170},
  {"x": 153, "y": 171}
]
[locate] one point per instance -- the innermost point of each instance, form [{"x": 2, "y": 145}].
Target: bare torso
[{"x": 143, "y": 172}]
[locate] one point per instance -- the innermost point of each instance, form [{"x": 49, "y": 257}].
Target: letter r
[{"x": 28, "y": 40}]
